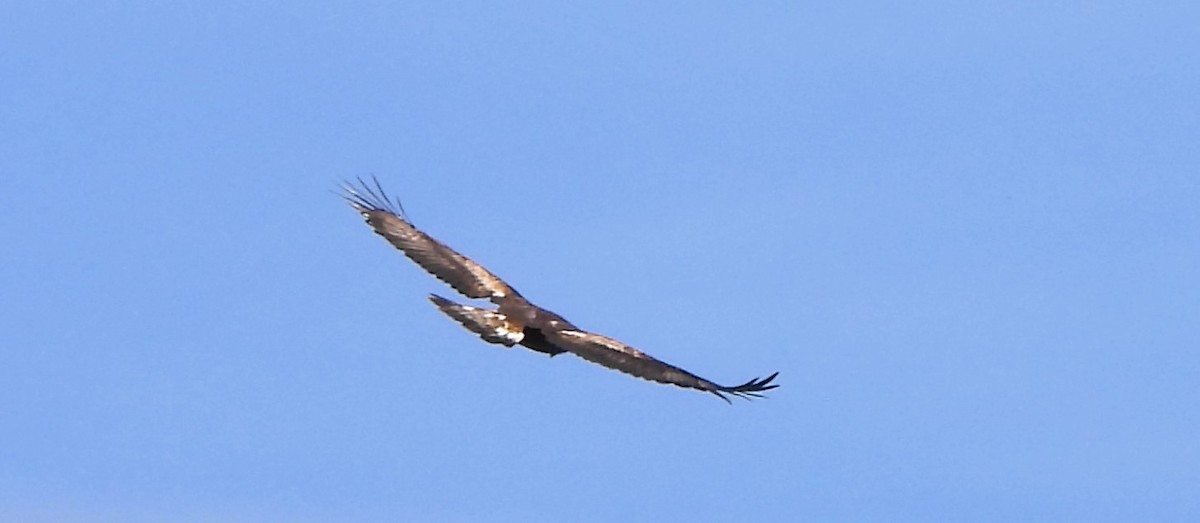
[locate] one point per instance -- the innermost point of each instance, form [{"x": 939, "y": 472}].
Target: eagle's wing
[
  {"x": 616, "y": 355},
  {"x": 387, "y": 218}
]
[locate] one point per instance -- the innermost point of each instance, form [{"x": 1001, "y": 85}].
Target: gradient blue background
[{"x": 966, "y": 233}]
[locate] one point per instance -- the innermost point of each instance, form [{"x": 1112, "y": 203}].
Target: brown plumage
[{"x": 516, "y": 321}]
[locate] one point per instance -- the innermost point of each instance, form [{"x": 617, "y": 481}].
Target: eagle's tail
[{"x": 490, "y": 325}]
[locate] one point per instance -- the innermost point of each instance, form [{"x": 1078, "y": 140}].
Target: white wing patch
[
  {"x": 486, "y": 278},
  {"x": 511, "y": 337}
]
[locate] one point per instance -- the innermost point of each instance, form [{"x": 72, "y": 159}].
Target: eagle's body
[{"x": 516, "y": 321}]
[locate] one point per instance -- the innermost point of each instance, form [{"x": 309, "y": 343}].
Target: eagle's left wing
[
  {"x": 387, "y": 218},
  {"x": 619, "y": 356}
]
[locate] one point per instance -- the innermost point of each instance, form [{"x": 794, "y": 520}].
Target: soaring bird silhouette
[{"x": 516, "y": 321}]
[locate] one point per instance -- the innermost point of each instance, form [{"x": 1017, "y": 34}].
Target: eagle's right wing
[
  {"x": 619, "y": 356},
  {"x": 387, "y": 218}
]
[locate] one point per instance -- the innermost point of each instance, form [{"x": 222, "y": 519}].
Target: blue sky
[{"x": 966, "y": 234}]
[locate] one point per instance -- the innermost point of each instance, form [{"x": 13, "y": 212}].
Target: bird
[{"x": 515, "y": 320}]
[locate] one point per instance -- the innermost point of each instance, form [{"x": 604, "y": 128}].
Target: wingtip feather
[
  {"x": 365, "y": 198},
  {"x": 750, "y": 389}
]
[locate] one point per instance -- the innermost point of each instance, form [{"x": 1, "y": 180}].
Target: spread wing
[
  {"x": 616, "y": 355},
  {"x": 387, "y": 217}
]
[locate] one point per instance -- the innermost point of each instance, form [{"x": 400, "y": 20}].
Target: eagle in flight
[{"x": 516, "y": 321}]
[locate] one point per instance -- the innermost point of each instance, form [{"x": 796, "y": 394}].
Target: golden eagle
[{"x": 516, "y": 321}]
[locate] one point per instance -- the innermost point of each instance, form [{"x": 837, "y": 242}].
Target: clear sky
[{"x": 966, "y": 233}]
